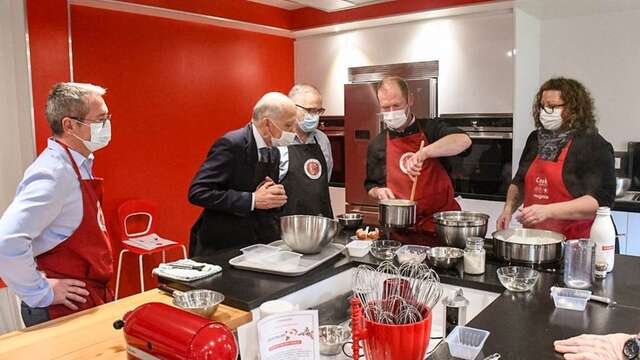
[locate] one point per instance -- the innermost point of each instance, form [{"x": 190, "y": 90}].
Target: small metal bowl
[
  {"x": 384, "y": 249},
  {"x": 444, "y": 257},
  {"x": 350, "y": 220},
  {"x": 332, "y": 337},
  {"x": 200, "y": 302}
]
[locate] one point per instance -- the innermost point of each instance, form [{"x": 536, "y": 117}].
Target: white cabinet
[
  {"x": 628, "y": 226},
  {"x": 620, "y": 219},
  {"x": 633, "y": 234}
]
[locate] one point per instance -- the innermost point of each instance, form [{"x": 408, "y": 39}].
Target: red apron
[
  {"x": 86, "y": 254},
  {"x": 434, "y": 191},
  {"x": 544, "y": 185}
]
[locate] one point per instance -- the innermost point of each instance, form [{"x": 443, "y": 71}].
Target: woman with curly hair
[{"x": 567, "y": 169}]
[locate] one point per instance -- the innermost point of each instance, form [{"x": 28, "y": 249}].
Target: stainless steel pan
[{"x": 516, "y": 245}]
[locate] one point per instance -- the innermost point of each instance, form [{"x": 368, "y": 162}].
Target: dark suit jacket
[{"x": 223, "y": 187}]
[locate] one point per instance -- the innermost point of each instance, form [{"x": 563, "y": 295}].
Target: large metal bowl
[
  {"x": 454, "y": 227},
  {"x": 516, "y": 245},
  {"x": 622, "y": 185},
  {"x": 307, "y": 234}
]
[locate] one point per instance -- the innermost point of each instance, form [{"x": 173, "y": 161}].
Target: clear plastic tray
[
  {"x": 258, "y": 251},
  {"x": 465, "y": 342},
  {"x": 359, "y": 248},
  {"x": 284, "y": 259},
  {"x": 570, "y": 299}
]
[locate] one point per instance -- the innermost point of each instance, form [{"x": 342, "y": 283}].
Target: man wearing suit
[{"x": 234, "y": 184}]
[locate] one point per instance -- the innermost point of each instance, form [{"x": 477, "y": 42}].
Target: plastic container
[
  {"x": 466, "y": 342},
  {"x": 570, "y": 299},
  {"x": 358, "y": 248},
  {"x": 284, "y": 259},
  {"x": 258, "y": 251},
  {"x": 412, "y": 253}
]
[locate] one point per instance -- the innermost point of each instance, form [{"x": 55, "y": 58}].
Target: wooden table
[{"x": 90, "y": 334}]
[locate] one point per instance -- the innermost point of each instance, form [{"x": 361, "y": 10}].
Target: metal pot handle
[{"x": 169, "y": 290}]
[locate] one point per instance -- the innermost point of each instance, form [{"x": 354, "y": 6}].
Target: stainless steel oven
[{"x": 483, "y": 171}]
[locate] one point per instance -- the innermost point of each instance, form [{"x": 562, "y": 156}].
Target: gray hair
[
  {"x": 69, "y": 100},
  {"x": 271, "y": 105},
  {"x": 301, "y": 89}
]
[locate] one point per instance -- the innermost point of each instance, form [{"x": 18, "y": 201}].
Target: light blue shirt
[{"x": 47, "y": 209}]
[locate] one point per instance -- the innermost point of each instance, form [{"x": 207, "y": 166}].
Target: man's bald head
[{"x": 277, "y": 109}]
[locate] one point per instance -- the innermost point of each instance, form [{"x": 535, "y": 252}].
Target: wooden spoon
[{"x": 415, "y": 181}]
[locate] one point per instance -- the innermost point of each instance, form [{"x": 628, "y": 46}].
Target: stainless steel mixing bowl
[
  {"x": 350, "y": 220},
  {"x": 454, "y": 227},
  {"x": 307, "y": 234},
  {"x": 200, "y": 302}
]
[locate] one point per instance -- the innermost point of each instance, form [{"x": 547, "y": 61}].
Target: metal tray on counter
[{"x": 306, "y": 263}]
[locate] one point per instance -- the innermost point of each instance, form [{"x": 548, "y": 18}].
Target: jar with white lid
[{"x": 474, "y": 256}]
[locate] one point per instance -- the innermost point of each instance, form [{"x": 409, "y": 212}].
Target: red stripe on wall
[
  {"x": 308, "y": 17},
  {"x": 49, "y": 50},
  {"x": 242, "y": 10},
  {"x": 173, "y": 88}
]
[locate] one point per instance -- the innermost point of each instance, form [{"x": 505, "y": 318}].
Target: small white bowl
[{"x": 359, "y": 248}]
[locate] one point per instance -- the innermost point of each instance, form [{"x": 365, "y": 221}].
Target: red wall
[{"x": 173, "y": 88}]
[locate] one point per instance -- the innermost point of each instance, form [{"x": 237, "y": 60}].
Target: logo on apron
[
  {"x": 404, "y": 162},
  {"x": 313, "y": 169},
  {"x": 541, "y": 189},
  {"x": 101, "y": 222}
]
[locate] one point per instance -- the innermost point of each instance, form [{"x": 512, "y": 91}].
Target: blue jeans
[{"x": 33, "y": 316}]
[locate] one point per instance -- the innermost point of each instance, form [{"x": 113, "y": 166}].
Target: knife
[{"x": 187, "y": 267}]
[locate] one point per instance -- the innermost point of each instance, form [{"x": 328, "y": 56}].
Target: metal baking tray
[{"x": 306, "y": 263}]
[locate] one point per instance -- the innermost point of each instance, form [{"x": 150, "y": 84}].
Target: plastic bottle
[{"x": 603, "y": 235}]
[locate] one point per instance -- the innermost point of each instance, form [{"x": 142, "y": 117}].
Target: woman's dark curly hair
[{"x": 578, "y": 110}]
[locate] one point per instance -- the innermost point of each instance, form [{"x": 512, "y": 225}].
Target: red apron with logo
[
  {"x": 86, "y": 254},
  {"x": 543, "y": 184},
  {"x": 434, "y": 191}
]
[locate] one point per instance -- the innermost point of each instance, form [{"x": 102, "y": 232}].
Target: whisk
[{"x": 396, "y": 295}]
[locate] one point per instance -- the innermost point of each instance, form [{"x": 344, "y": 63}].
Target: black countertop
[
  {"x": 522, "y": 325},
  {"x": 627, "y": 206}
]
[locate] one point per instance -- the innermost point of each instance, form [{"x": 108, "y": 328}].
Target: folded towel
[{"x": 167, "y": 271}]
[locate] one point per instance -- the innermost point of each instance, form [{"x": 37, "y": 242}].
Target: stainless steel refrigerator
[{"x": 362, "y": 124}]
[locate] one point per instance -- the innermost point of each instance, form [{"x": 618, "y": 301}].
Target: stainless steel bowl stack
[
  {"x": 454, "y": 227},
  {"x": 444, "y": 257},
  {"x": 307, "y": 234},
  {"x": 528, "y": 246},
  {"x": 397, "y": 214}
]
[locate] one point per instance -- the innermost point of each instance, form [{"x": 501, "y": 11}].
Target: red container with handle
[{"x": 386, "y": 341}]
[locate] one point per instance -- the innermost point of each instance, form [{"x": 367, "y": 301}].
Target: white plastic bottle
[{"x": 603, "y": 235}]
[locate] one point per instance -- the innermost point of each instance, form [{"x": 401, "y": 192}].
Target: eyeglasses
[
  {"x": 550, "y": 107},
  {"x": 312, "y": 111},
  {"x": 100, "y": 121}
]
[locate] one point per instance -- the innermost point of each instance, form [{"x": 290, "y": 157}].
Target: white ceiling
[{"x": 324, "y": 5}]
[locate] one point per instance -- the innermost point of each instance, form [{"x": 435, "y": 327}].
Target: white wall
[
  {"x": 602, "y": 51},
  {"x": 476, "y": 75},
  {"x": 17, "y": 147},
  {"x": 526, "y": 78}
]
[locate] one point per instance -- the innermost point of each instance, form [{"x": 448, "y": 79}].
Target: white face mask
[
  {"x": 394, "y": 119},
  {"x": 100, "y": 135},
  {"x": 309, "y": 123},
  {"x": 551, "y": 121},
  {"x": 287, "y": 138}
]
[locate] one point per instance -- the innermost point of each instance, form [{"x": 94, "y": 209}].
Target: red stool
[{"x": 127, "y": 212}]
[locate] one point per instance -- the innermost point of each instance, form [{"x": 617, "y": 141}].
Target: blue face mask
[{"x": 309, "y": 123}]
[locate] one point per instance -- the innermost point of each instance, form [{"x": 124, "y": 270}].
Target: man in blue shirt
[{"x": 54, "y": 249}]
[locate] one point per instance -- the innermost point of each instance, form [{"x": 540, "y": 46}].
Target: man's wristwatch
[{"x": 631, "y": 348}]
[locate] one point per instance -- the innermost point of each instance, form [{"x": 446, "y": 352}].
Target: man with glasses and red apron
[
  {"x": 55, "y": 252},
  {"x": 394, "y": 158}
]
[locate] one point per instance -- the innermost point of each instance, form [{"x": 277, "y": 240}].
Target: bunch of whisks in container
[{"x": 396, "y": 295}]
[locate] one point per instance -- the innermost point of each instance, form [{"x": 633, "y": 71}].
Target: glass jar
[{"x": 474, "y": 256}]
